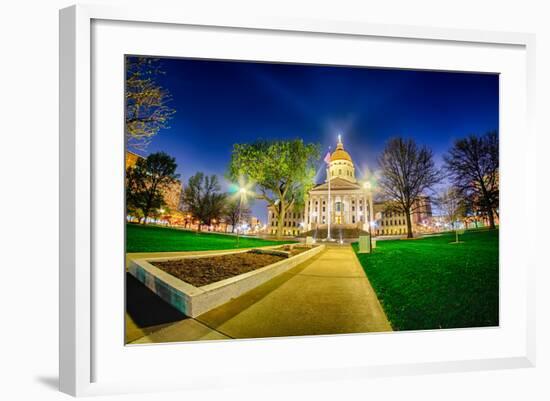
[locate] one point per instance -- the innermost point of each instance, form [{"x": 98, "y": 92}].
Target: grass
[
  {"x": 141, "y": 238},
  {"x": 430, "y": 283}
]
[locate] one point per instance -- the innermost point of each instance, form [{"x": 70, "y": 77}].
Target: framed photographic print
[{"x": 332, "y": 193}]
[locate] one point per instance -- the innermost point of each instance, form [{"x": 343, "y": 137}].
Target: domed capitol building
[{"x": 343, "y": 204}]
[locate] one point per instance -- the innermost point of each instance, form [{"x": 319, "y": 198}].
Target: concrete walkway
[{"x": 329, "y": 294}]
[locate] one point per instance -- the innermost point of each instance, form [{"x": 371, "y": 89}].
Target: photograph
[{"x": 274, "y": 199}]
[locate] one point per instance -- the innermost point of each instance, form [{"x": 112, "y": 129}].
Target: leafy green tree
[
  {"x": 203, "y": 199},
  {"x": 147, "y": 181},
  {"x": 282, "y": 171},
  {"x": 473, "y": 166},
  {"x": 407, "y": 170},
  {"x": 147, "y": 111}
]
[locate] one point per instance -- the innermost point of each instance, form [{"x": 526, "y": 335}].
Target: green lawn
[
  {"x": 161, "y": 239},
  {"x": 430, "y": 284}
]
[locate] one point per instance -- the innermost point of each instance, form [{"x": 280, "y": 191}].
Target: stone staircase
[{"x": 336, "y": 233}]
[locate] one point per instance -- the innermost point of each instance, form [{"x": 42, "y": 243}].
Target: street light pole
[
  {"x": 368, "y": 196},
  {"x": 242, "y": 191},
  {"x": 329, "y": 238},
  {"x": 370, "y": 219}
]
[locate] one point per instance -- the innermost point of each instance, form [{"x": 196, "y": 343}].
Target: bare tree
[
  {"x": 453, "y": 205},
  {"x": 146, "y": 102},
  {"x": 407, "y": 171},
  {"x": 472, "y": 164},
  {"x": 235, "y": 212}
]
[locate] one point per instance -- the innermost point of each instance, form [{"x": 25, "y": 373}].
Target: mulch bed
[
  {"x": 204, "y": 271},
  {"x": 207, "y": 270}
]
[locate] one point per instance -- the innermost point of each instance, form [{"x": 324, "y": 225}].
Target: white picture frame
[{"x": 78, "y": 316}]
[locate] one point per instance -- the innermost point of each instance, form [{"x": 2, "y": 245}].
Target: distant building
[
  {"x": 132, "y": 158},
  {"x": 422, "y": 210},
  {"x": 350, "y": 203},
  {"x": 293, "y": 222},
  {"x": 255, "y": 224},
  {"x": 348, "y": 199},
  {"x": 172, "y": 193},
  {"x": 388, "y": 222}
]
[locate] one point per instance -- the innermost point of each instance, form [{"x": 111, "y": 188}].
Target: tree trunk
[
  {"x": 409, "y": 223},
  {"x": 280, "y": 220},
  {"x": 491, "y": 219}
]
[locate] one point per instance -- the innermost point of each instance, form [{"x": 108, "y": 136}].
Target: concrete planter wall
[{"x": 194, "y": 301}]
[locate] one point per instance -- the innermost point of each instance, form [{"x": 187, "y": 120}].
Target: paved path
[{"x": 329, "y": 294}]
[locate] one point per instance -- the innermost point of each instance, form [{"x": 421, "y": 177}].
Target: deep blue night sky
[{"x": 219, "y": 103}]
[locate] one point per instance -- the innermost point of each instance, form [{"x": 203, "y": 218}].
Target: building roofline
[{"x": 134, "y": 153}]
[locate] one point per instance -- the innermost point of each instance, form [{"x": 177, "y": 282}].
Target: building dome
[
  {"x": 341, "y": 165},
  {"x": 340, "y": 153}
]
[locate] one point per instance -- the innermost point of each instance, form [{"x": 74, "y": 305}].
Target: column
[
  {"x": 312, "y": 212},
  {"x": 347, "y": 209},
  {"x": 332, "y": 209},
  {"x": 306, "y": 213},
  {"x": 356, "y": 209}
]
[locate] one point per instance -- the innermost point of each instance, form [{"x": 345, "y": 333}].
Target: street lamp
[{"x": 242, "y": 194}]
